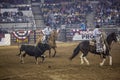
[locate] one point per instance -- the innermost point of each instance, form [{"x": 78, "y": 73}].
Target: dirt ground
[{"x": 59, "y": 67}]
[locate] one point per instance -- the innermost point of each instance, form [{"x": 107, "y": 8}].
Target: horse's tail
[{"x": 75, "y": 52}]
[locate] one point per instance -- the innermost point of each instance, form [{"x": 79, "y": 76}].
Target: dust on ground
[{"x": 59, "y": 67}]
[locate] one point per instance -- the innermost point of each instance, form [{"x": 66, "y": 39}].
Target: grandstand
[{"x": 34, "y": 14}]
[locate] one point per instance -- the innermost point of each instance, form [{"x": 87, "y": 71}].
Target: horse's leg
[
  {"x": 81, "y": 57},
  {"x": 85, "y": 59},
  {"x": 49, "y": 52},
  {"x": 110, "y": 62},
  {"x": 54, "y": 52},
  {"x": 103, "y": 61},
  {"x": 104, "y": 57}
]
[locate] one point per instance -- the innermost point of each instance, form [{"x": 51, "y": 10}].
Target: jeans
[{"x": 99, "y": 45}]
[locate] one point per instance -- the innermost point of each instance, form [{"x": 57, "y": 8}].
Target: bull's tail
[
  {"x": 19, "y": 53},
  {"x": 20, "y": 50},
  {"x": 75, "y": 52}
]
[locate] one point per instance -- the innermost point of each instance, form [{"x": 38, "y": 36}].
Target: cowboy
[
  {"x": 47, "y": 32},
  {"x": 97, "y": 36}
]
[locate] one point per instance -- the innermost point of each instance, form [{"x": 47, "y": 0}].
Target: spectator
[{"x": 83, "y": 26}]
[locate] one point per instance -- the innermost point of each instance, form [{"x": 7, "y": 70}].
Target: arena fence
[{"x": 65, "y": 34}]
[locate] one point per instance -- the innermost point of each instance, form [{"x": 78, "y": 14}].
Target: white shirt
[
  {"x": 47, "y": 31},
  {"x": 96, "y": 32}
]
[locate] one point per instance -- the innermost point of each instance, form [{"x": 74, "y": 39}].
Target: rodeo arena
[{"x": 69, "y": 52}]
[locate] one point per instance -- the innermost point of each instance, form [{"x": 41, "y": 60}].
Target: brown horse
[{"x": 51, "y": 41}]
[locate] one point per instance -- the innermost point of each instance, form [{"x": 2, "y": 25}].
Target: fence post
[{"x": 34, "y": 36}]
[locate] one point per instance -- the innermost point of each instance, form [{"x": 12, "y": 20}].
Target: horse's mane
[{"x": 110, "y": 38}]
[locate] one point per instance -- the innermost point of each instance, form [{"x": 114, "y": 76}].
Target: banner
[
  {"x": 81, "y": 35},
  {"x": 21, "y": 34},
  {"x": 5, "y": 41}
]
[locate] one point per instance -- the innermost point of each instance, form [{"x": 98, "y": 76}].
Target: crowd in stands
[
  {"x": 3, "y": 31},
  {"x": 108, "y": 12},
  {"x": 62, "y": 12},
  {"x": 13, "y": 17},
  {"x": 14, "y": 2},
  {"x": 66, "y": 13}
]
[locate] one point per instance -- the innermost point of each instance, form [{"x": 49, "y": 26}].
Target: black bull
[{"x": 36, "y": 51}]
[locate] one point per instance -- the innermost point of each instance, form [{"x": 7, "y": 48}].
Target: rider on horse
[
  {"x": 97, "y": 35},
  {"x": 47, "y": 32}
]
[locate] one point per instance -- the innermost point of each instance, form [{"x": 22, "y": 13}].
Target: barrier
[
  {"x": 81, "y": 35},
  {"x": 21, "y": 34},
  {"x": 6, "y": 40}
]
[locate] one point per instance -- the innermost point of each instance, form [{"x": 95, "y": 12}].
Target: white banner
[
  {"x": 82, "y": 35},
  {"x": 5, "y": 41}
]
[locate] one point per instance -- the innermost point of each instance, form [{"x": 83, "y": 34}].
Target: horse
[
  {"x": 31, "y": 50},
  {"x": 51, "y": 41},
  {"x": 85, "y": 47}
]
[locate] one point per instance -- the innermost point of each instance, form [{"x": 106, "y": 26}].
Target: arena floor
[{"x": 58, "y": 68}]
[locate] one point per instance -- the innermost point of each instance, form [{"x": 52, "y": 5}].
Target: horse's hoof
[
  {"x": 82, "y": 63},
  {"x": 110, "y": 64},
  {"x": 101, "y": 64}
]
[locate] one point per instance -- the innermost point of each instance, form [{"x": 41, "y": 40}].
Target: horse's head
[
  {"x": 54, "y": 35},
  {"x": 53, "y": 38},
  {"x": 118, "y": 38},
  {"x": 114, "y": 36},
  {"x": 111, "y": 37}
]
